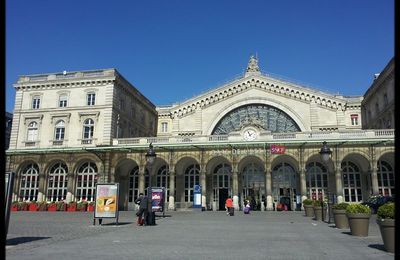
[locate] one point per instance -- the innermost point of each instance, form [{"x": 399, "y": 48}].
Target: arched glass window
[
  {"x": 317, "y": 181},
  {"x": 59, "y": 131},
  {"x": 86, "y": 181},
  {"x": 133, "y": 192},
  {"x": 284, "y": 181},
  {"x": 263, "y": 116},
  {"x": 351, "y": 182},
  {"x": 385, "y": 179},
  {"x": 57, "y": 182},
  {"x": 32, "y": 131},
  {"x": 29, "y": 186},
  {"x": 163, "y": 179},
  {"x": 192, "y": 177},
  {"x": 222, "y": 180},
  {"x": 253, "y": 182},
  {"x": 88, "y": 128}
]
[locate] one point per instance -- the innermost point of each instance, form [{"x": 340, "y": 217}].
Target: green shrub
[
  {"x": 319, "y": 203},
  {"x": 307, "y": 202},
  {"x": 340, "y": 206},
  {"x": 358, "y": 208},
  {"x": 386, "y": 211}
]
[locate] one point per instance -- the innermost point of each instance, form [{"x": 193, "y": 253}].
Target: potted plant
[
  {"x": 61, "y": 206},
  {"x": 42, "y": 206},
  {"x": 23, "y": 206},
  {"x": 318, "y": 206},
  {"x": 71, "y": 206},
  {"x": 90, "y": 206},
  {"x": 358, "y": 216},
  {"x": 33, "y": 206},
  {"x": 339, "y": 215},
  {"x": 52, "y": 206},
  {"x": 385, "y": 220},
  {"x": 15, "y": 206},
  {"x": 82, "y": 205},
  {"x": 308, "y": 207}
]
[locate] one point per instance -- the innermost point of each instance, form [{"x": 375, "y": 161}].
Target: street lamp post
[
  {"x": 325, "y": 153},
  {"x": 150, "y": 158}
]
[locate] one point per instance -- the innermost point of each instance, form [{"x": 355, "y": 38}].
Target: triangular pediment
[{"x": 265, "y": 83}]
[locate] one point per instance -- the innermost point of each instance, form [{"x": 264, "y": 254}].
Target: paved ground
[{"x": 187, "y": 235}]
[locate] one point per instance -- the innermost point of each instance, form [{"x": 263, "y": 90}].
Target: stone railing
[{"x": 274, "y": 137}]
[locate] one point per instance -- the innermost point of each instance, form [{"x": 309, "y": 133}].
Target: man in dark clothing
[{"x": 142, "y": 201}]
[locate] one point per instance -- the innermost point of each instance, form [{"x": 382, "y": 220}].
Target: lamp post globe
[{"x": 150, "y": 158}]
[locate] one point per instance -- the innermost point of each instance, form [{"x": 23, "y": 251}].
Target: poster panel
[
  {"x": 106, "y": 205},
  {"x": 157, "y": 199}
]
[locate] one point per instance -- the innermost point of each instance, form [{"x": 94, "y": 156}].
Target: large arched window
[
  {"x": 284, "y": 181},
  {"x": 57, "y": 182},
  {"x": 163, "y": 179},
  {"x": 351, "y": 182},
  {"x": 317, "y": 180},
  {"x": 86, "y": 181},
  {"x": 222, "y": 183},
  {"x": 32, "y": 131},
  {"x": 263, "y": 116},
  {"x": 133, "y": 192},
  {"x": 385, "y": 179},
  {"x": 192, "y": 177},
  {"x": 29, "y": 186},
  {"x": 253, "y": 182}
]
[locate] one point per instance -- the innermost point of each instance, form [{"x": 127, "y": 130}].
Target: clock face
[{"x": 249, "y": 135}]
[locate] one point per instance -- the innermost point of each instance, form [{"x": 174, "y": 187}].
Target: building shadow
[
  {"x": 115, "y": 224},
  {"x": 20, "y": 240},
  {"x": 347, "y": 233},
  {"x": 378, "y": 246}
]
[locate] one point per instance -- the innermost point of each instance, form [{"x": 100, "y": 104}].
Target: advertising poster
[
  {"x": 278, "y": 149},
  {"x": 106, "y": 201},
  {"x": 157, "y": 199}
]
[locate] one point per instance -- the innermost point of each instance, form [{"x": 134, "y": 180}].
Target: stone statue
[{"x": 253, "y": 65}]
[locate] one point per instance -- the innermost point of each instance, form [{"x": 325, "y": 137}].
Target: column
[
  {"x": 41, "y": 188},
  {"x": 171, "y": 199},
  {"x": 303, "y": 184},
  {"x": 338, "y": 182},
  {"x": 141, "y": 178},
  {"x": 268, "y": 187},
  {"x": 70, "y": 187},
  {"x": 203, "y": 187},
  {"x": 235, "y": 188},
  {"x": 374, "y": 179}
]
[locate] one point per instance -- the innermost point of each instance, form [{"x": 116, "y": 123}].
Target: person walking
[
  {"x": 229, "y": 206},
  {"x": 142, "y": 212}
]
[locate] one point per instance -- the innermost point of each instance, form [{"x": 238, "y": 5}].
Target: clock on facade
[{"x": 249, "y": 134}]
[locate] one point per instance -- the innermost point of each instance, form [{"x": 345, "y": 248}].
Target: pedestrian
[
  {"x": 229, "y": 206},
  {"x": 142, "y": 212},
  {"x": 247, "y": 207}
]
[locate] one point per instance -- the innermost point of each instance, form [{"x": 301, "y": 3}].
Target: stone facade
[
  {"x": 378, "y": 103},
  {"x": 8, "y": 120},
  {"x": 256, "y": 138}
]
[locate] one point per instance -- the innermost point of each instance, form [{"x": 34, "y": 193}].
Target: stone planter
[
  {"x": 309, "y": 210},
  {"x": 318, "y": 213},
  {"x": 359, "y": 223},
  {"x": 52, "y": 207},
  {"x": 340, "y": 217},
  {"x": 387, "y": 229}
]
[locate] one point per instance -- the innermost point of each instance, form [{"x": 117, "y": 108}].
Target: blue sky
[{"x": 173, "y": 50}]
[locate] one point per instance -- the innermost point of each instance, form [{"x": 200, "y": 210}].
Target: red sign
[{"x": 278, "y": 149}]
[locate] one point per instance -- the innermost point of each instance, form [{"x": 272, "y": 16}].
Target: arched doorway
[
  {"x": 284, "y": 184},
  {"x": 317, "y": 181},
  {"x": 221, "y": 182},
  {"x": 253, "y": 185}
]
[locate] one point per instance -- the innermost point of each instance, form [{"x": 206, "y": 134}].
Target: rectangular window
[
  {"x": 62, "y": 101},
  {"x": 36, "y": 103},
  {"x": 60, "y": 134},
  {"x": 91, "y": 99},
  {"x": 354, "y": 119},
  {"x": 164, "y": 127}
]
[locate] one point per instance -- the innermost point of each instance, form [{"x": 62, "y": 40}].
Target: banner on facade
[
  {"x": 277, "y": 149},
  {"x": 157, "y": 199},
  {"x": 106, "y": 203}
]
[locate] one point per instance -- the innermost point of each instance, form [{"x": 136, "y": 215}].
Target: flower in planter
[
  {"x": 60, "y": 206},
  {"x": 340, "y": 206},
  {"x": 307, "y": 202},
  {"x": 386, "y": 211},
  {"x": 33, "y": 206},
  {"x": 23, "y": 206},
  {"x": 72, "y": 206},
  {"x": 82, "y": 205},
  {"x": 15, "y": 206},
  {"x": 319, "y": 203},
  {"x": 42, "y": 206}
]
